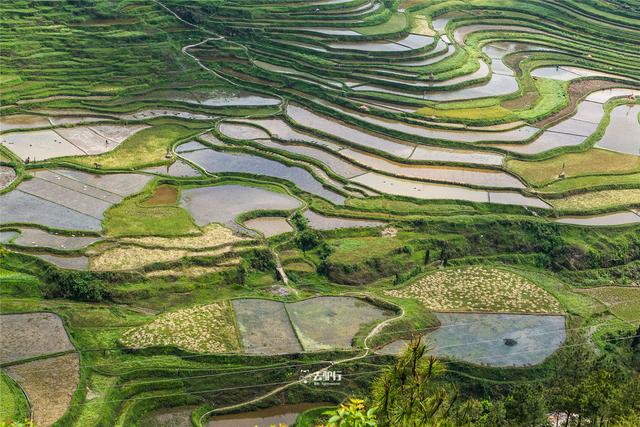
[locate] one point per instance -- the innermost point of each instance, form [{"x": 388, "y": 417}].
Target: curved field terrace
[{"x": 204, "y": 205}]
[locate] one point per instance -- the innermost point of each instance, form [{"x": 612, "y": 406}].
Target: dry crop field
[
  {"x": 478, "y": 289},
  {"x": 204, "y": 329}
]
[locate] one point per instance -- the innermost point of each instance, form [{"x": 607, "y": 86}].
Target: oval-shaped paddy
[
  {"x": 224, "y": 203},
  {"x": 479, "y": 338}
]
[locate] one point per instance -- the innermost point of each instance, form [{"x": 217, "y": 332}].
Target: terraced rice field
[
  {"x": 149, "y": 150},
  {"x": 265, "y": 327},
  {"x": 224, "y": 203},
  {"x": 50, "y": 394},
  {"x": 269, "y": 226},
  {"x": 25, "y": 336},
  {"x": 43, "y": 362},
  {"x": 315, "y": 324},
  {"x": 332, "y": 322},
  {"x": 479, "y": 289}
]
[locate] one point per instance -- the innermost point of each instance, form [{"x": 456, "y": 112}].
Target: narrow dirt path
[{"x": 367, "y": 351}]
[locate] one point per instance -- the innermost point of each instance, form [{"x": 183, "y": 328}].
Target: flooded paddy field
[
  {"x": 321, "y": 222},
  {"x": 225, "y": 202},
  {"x": 335, "y": 163},
  {"x": 423, "y": 190},
  {"x": 479, "y": 338},
  {"x": 193, "y": 145},
  {"x": 329, "y": 126},
  {"x": 324, "y": 323},
  {"x": 75, "y": 141},
  {"x": 178, "y": 169},
  {"x": 242, "y": 131},
  {"x": 517, "y": 134},
  {"x": 617, "y": 218},
  {"x": 65, "y": 262},
  {"x": 34, "y": 237},
  {"x": 215, "y": 97},
  {"x": 461, "y": 156},
  {"x": 67, "y": 199},
  {"x": 265, "y": 327},
  {"x": 29, "y": 335},
  {"x": 39, "y": 145},
  {"x": 486, "y": 178},
  {"x": 23, "y": 121},
  {"x": 269, "y": 226},
  {"x": 278, "y": 415},
  {"x": 575, "y": 130},
  {"x": 622, "y": 133},
  {"x": 282, "y": 130},
  {"x": 315, "y": 324},
  {"x": 216, "y": 161}
]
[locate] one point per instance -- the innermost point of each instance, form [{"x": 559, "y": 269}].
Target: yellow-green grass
[
  {"x": 491, "y": 112},
  {"x": 205, "y": 329},
  {"x": 420, "y": 25},
  {"x": 10, "y": 405},
  {"x": 402, "y": 207},
  {"x": 478, "y": 289},
  {"x": 149, "y": 146},
  {"x": 354, "y": 250},
  {"x": 132, "y": 217},
  {"x": 397, "y": 22},
  {"x": 591, "y": 162},
  {"x": 621, "y": 302},
  {"x": 552, "y": 97},
  {"x": 591, "y": 181},
  {"x": 598, "y": 200}
]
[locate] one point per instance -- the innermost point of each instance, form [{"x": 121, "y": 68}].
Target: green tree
[
  {"x": 300, "y": 221},
  {"x": 526, "y": 407},
  {"x": 406, "y": 395},
  {"x": 306, "y": 240}
]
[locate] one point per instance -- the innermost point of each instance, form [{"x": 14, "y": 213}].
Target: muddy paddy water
[
  {"x": 623, "y": 132},
  {"x": 25, "y": 336},
  {"x": 616, "y": 218},
  {"x": 67, "y": 199},
  {"x": 480, "y": 338},
  {"x": 269, "y": 225},
  {"x": 225, "y": 202},
  {"x": 227, "y": 162},
  {"x": 424, "y": 190},
  {"x": 315, "y": 324},
  {"x": 276, "y": 415},
  {"x": 281, "y": 414},
  {"x": 321, "y": 222}
]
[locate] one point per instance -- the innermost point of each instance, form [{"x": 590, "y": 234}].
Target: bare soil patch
[
  {"x": 577, "y": 90},
  {"x": 49, "y": 384},
  {"x": 163, "y": 195}
]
